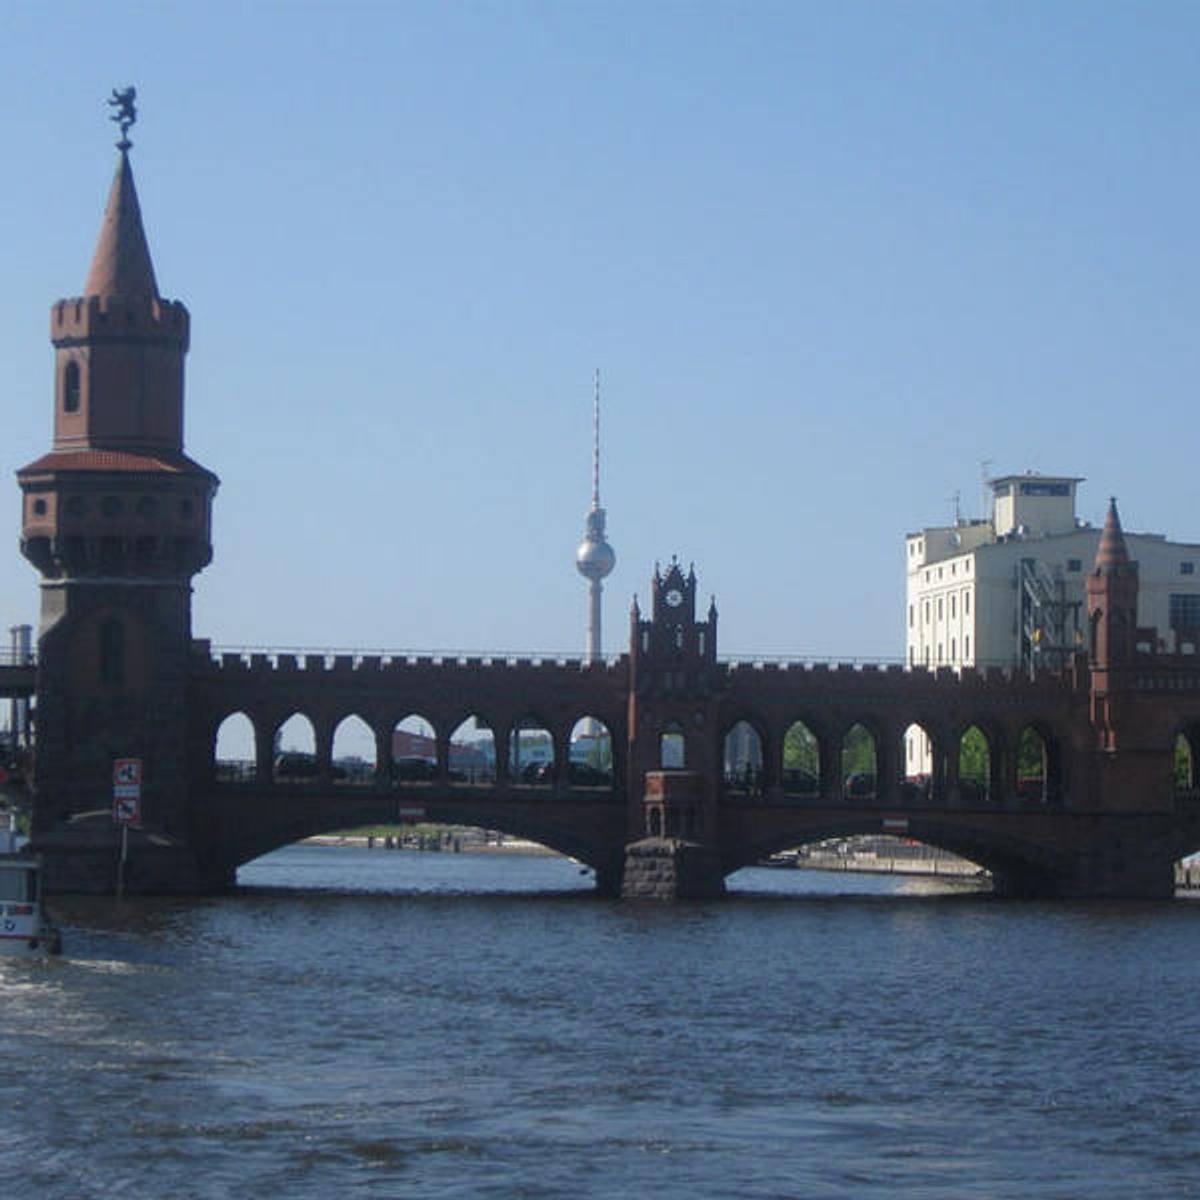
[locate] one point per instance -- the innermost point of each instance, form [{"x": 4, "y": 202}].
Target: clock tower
[{"x": 675, "y": 751}]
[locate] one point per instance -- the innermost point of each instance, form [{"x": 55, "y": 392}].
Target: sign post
[{"x": 127, "y": 807}]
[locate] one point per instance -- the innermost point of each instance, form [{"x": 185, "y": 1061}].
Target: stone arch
[
  {"x": 1038, "y": 765},
  {"x": 919, "y": 759},
  {"x": 234, "y": 749},
  {"x": 859, "y": 762},
  {"x": 354, "y": 750},
  {"x": 672, "y": 747},
  {"x": 801, "y": 774},
  {"x": 411, "y": 750},
  {"x": 742, "y": 757},
  {"x": 975, "y": 756},
  {"x": 591, "y": 758},
  {"x": 1185, "y": 763},
  {"x": 531, "y": 752},
  {"x": 471, "y": 752},
  {"x": 294, "y": 749}
]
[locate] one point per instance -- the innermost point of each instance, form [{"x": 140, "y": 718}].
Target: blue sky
[{"x": 828, "y": 257}]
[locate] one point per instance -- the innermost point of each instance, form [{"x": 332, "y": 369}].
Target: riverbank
[{"x": 432, "y": 844}]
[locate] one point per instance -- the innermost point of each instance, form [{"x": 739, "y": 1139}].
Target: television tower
[{"x": 595, "y": 558}]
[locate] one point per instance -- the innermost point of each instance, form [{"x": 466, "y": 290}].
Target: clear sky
[{"x": 829, "y": 258}]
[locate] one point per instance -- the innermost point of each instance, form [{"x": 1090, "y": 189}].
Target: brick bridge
[{"x": 1080, "y": 791}]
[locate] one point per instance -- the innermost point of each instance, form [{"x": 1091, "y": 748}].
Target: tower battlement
[{"x": 91, "y": 319}]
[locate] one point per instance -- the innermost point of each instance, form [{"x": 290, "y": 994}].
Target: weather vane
[{"x": 125, "y": 115}]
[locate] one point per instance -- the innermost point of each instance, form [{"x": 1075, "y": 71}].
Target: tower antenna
[
  {"x": 595, "y": 559},
  {"x": 596, "y": 443}
]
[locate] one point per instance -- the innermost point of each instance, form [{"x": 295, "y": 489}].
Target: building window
[
  {"x": 910, "y": 616},
  {"x": 1184, "y": 611},
  {"x": 927, "y": 656},
  {"x": 966, "y": 604},
  {"x": 939, "y": 652},
  {"x": 952, "y": 606},
  {"x": 671, "y": 750},
  {"x": 954, "y": 568},
  {"x": 39, "y": 508},
  {"x": 966, "y": 647},
  {"x": 953, "y": 649},
  {"x": 926, "y": 612},
  {"x": 1074, "y": 565},
  {"x": 940, "y": 609},
  {"x": 112, "y": 653},
  {"x": 1187, "y": 568},
  {"x": 71, "y": 387}
]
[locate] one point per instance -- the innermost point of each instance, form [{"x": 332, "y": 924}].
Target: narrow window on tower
[
  {"x": 71, "y": 387},
  {"x": 112, "y": 653}
]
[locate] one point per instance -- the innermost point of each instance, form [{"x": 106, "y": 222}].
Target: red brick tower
[
  {"x": 117, "y": 521},
  {"x": 674, "y": 747}
]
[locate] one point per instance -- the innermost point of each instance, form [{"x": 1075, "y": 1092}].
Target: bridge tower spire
[
  {"x": 1112, "y": 597},
  {"x": 116, "y": 519}
]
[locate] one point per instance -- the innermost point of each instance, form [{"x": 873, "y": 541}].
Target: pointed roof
[
  {"x": 121, "y": 265},
  {"x": 1112, "y": 555}
]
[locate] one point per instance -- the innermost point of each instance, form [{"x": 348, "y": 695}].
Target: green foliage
[
  {"x": 974, "y": 761},
  {"x": 1185, "y": 776},
  {"x": 1031, "y": 755},
  {"x": 858, "y": 752},
  {"x": 800, "y": 750}
]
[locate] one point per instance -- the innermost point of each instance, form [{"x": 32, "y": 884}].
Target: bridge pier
[
  {"x": 658, "y": 868},
  {"x": 88, "y": 861},
  {"x": 1115, "y": 859}
]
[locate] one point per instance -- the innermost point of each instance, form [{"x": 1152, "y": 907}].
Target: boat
[{"x": 25, "y": 930}]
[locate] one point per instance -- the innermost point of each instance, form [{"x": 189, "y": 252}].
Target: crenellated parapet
[{"x": 94, "y": 320}]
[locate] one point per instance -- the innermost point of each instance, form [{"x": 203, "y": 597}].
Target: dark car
[
  {"x": 414, "y": 769},
  {"x": 582, "y": 774}
]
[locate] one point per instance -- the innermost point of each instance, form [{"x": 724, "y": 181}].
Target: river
[{"x": 357, "y": 1023}]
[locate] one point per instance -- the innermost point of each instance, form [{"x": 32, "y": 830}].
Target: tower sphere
[{"x": 595, "y": 559}]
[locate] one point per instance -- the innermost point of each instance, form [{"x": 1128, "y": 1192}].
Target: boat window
[{"x": 18, "y": 883}]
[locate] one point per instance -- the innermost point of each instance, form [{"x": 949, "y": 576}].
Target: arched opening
[
  {"x": 1184, "y": 764},
  {"x": 858, "y": 863},
  {"x": 974, "y": 766},
  {"x": 917, "y": 749},
  {"x": 531, "y": 753},
  {"x": 473, "y": 753},
  {"x": 295, "y": 750},
  {"x": 1033, "y": 766},
  {"x": 71, "y": 387},
  {"x": 859, "y": 763},
  {"x": 672, "y": 750},
  {"x": 743, "y": 759},
  {"x": 801, "y": 761},
  {"x": 414, "y": 750},
  {"x": 353, "y": 752},
  {"x": 591, "y": 762},
  {"x": 234, "y": 758}
]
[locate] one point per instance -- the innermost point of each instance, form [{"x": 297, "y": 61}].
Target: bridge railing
[
  {"x": 12, "y": 658},
  {"x": 325, "y": 658}
]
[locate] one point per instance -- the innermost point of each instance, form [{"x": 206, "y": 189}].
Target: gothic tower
[{"x": 116, "y": 518}]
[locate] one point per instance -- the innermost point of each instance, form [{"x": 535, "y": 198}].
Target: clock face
[{"x": 674, "y": 597}]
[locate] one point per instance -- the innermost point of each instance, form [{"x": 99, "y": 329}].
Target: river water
[{"x": 363, "y": 1023}]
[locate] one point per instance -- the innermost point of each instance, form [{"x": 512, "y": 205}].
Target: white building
[{"x": 1009, "y": 590}]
